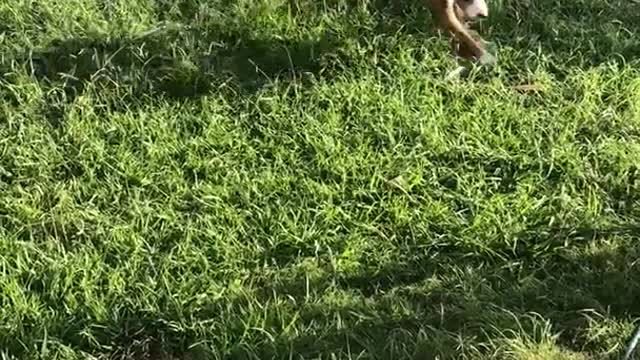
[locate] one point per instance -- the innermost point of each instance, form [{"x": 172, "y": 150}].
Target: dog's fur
[{"x": 453, "y": 16}]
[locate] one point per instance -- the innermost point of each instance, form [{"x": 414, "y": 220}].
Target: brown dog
[{"x": 453, "y": 16}]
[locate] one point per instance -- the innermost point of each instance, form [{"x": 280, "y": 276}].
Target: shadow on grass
[
  {"x": 426, "y": 307},
  {"x": 189, "y": 62},
  {"x": 174, "y": 64},
  {"x": 160, "y": 63},
  {"x": 451, "y": 292}
]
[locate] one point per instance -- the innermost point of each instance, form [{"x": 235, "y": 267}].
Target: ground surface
[{"x": 287, "y": 179}]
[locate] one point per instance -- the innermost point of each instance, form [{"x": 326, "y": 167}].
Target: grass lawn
[{"x": 288, "y": 179}]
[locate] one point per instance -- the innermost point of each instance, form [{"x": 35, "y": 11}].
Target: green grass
[{"x": 255, "y": 179}]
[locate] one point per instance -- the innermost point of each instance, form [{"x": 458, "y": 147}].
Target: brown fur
[{"x": 451, "y": 19}]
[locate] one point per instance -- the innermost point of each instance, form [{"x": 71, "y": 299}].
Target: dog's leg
[{"x": 451, "y": 18}]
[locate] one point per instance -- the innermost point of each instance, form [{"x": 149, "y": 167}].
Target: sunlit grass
[{"x": 299, "y": 179}]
